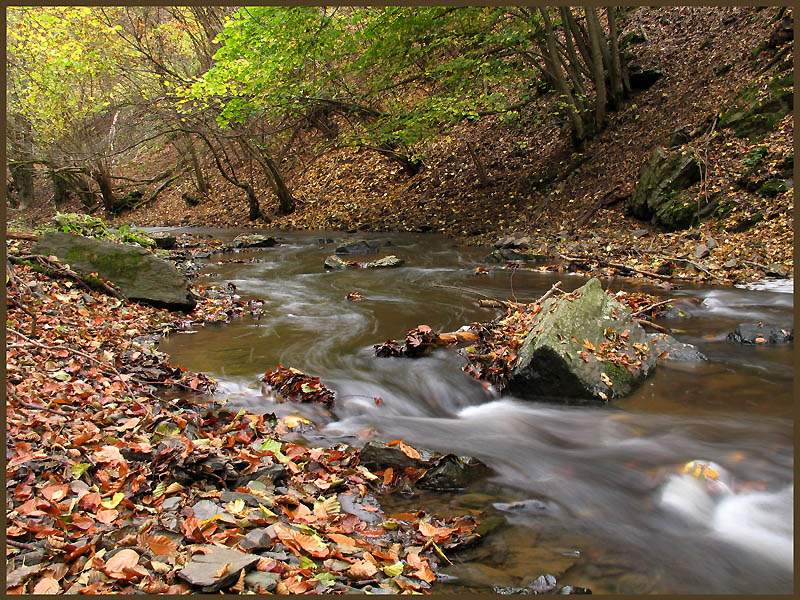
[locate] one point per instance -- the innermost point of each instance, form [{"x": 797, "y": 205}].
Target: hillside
[{"x": 536, "y": 184}]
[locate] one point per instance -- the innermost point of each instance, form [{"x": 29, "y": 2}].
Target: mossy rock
[
  {"x": 678, "y": 212},
  {"x": 555, "y": 362},
  {"x": 772, "y": 188},
  {"x": 753, "y": 113},
  {"x": 656, "y": 196},
  {"x": 135, "y": 271}
]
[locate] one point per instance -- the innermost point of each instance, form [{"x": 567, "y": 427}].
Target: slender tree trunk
[
  {"x": 580, "y": 38},
  {"x": 578, "y": 129},
  {"x": 478, "y": 164},
  {"x": 102, "y": 177},
  {"x": 202, "y": 185},
  {"x": 286, "y": 203},
  {"x": 615, "y": 70},
  {"x": 598, "y": 75}
]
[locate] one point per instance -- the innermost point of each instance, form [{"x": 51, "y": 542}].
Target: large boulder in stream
[
  {"x": 582, "y": 346},
  {"x": 138, "y": 274},
  {"x": 657, "y": 196}
]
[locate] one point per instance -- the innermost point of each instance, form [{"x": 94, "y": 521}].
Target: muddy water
[{"x": 590, "y": 495}]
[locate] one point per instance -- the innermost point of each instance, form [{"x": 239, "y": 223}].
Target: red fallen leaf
[
  {"x": 23, "y": 492},
  {"x": 82, "y": 523},
  {"x": 160, "y": 545},
  {"x": 312, "y": 545},
  {"x": 79, "y": 551},
  {"x": 409, "y": 451},
  {"x": 15, "y": 531},
  {"x": 116, "y": 565},
  {"x": 191, "y": 529},
  {"x": 46, "y": 586},
  {"x": 109, "y": 454},
  {"x": 107, "y": 516},
  {"x": 223, "y": 571},
  {"x": 55, "y": 492},
  {"x": 363, "y": 569},
  {"x": 387, "y": 476}
]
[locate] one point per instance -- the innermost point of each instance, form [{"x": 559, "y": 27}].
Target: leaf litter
[{"x": 106, "y": 478}]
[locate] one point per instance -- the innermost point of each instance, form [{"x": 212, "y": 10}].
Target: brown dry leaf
[
  {"x": 409, "y": 451},
  {"x": 46, "y": 586},
  {"x": 109, "y": 454},
  {"x": 107, "y": 516},
  {"x": 161, "y": 545},
  {"x": 223, "y": 570},
  {"x": 363, "y": 569},
  {"x": 124, "y": 559},
  {"x": 312, "y": 545}
]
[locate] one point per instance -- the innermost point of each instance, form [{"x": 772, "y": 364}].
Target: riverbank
[{"x": 120, "y": 482}]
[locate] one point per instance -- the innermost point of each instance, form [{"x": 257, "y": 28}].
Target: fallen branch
[
  {"x": 57, "y": 269},
  {"x": 649, "y": 308},
  {"x": 460, "y": 289},
  {"x": 22, "y": 235},
  {"x": 22, "y": 545},
  {"x": 24, "y": 404},
  {"x": 617, "y": 266},
  {"x": 644, "y": 322},
  {"x": 550, "y": 292}
]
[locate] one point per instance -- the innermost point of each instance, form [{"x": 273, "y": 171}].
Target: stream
[{"x": 591, "y": 495}]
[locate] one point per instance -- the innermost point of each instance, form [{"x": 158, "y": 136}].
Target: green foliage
[
  {"x": 89, "y": 226},
  {"x": 419, "y": 69},
  {"x": 61, "y": 67}
]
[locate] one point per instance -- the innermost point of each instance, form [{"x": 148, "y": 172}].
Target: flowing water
[{"x": 592, "y": 495}]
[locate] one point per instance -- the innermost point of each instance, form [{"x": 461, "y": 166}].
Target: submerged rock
[
  {"x": 359, "y": 247},
  {"x": 757, "y": 333},
  {"x": 666, "y": 347},
  {"x": 582, "y": 346},
  {"x": 509, "y": 254},
  {"x": 451, "y": 472},
  {"x": 138, "y": 274},
  {"x": 378, "y": 455}
]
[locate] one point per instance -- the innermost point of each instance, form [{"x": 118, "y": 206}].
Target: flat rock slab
[
  {"x": 756, "y": 333},
  {"x": 209, "y": 571},
  {"x": 335, "y": 263},
  {"x": 557, "y": 360},
  {"x": 253, "y": 240},
  {"x": 137, "y": 273}
]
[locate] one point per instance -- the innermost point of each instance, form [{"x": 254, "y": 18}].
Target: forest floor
[{"x": 567, "y": 202}]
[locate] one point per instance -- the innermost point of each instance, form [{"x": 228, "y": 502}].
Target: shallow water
[{"x": 599, "y": 474}]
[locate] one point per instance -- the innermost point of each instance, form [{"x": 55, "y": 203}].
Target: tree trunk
[
  {"x": 252, "y": 202},
  {"x": 598, "y": 74},
  {"x": 61, "y": 187},
  {"x": 202, "y": 185},
  {"x": 286, "y": 203},
  {"x": 615, "y": 70},
  {"x": 22, "y": 176},
  {"x": 478, "y": 164},
  {"x": 578, "y": 130},
  {"x": 102, "y": 177}
]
